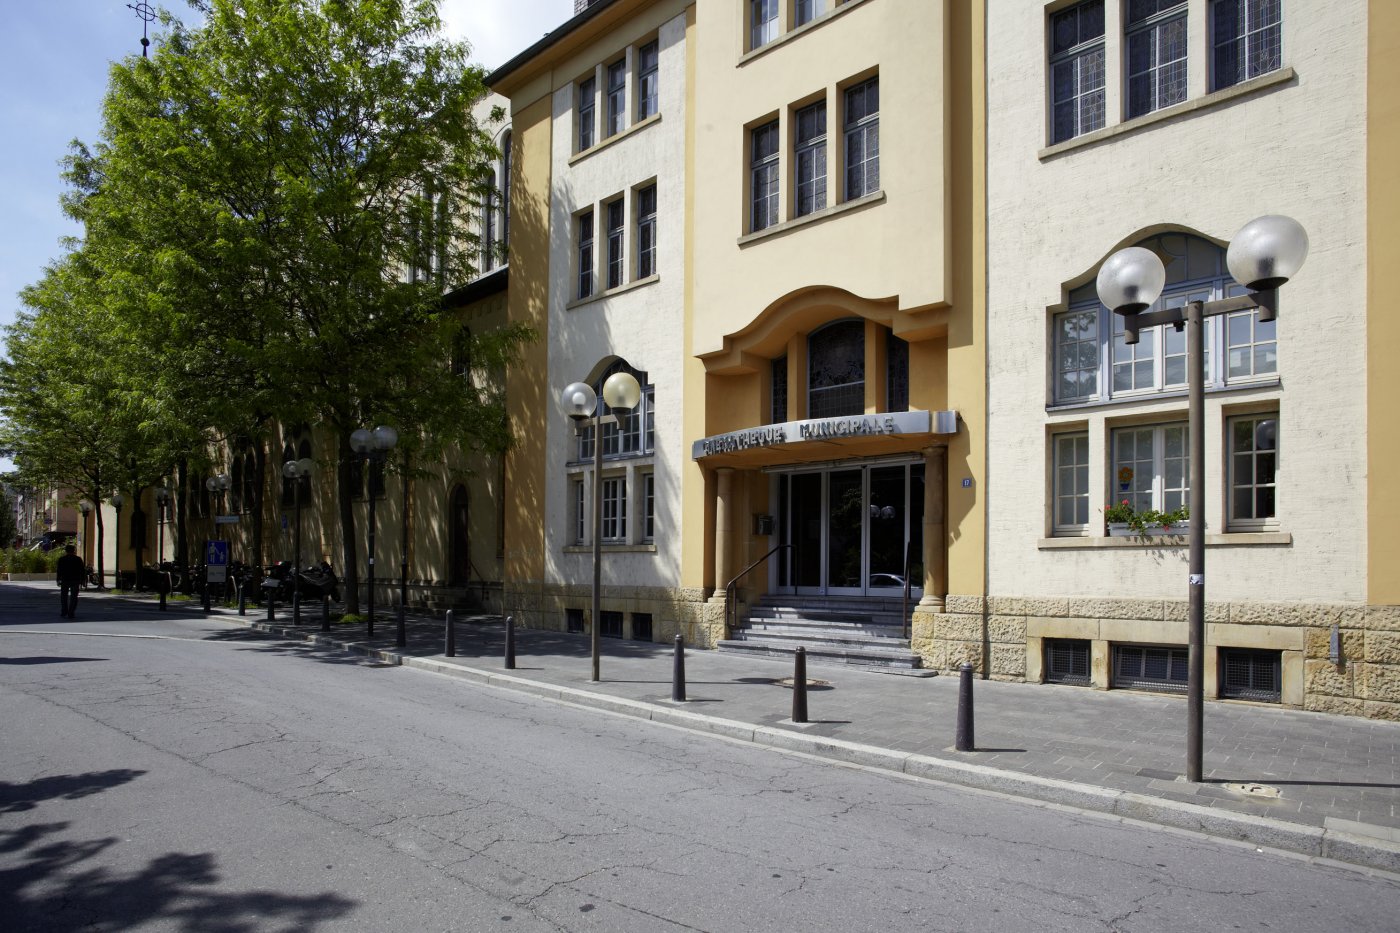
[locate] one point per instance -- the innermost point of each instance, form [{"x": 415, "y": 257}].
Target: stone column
[
  {"x": 724, "y": 529},
  {"x": 935, "y": 530}
]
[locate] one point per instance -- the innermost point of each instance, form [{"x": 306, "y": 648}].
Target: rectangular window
[
  {"x": 1146, "y": 668},
  {"x": 615, "y": 509},
  {"x": 897, "y": 373},
  {"x": 778, "y": 410},
  {"x": 804, "y": 11},
  {"x": 648, "y": 506},
  {"x": 1250, "y": 674},
  {"x": 764, "y": 176},
  {"x": 578, "y": 509},
  {"x": 1156, "y": 33},
  {"x": 584, "y": 112},
  {"x": 641, "y": 626},
  {"x": 1251, "y": 346},
  {"x": 863, "y": 139},
  {"x": 648, "y": 419},
  {"x": 609, "y": 623},
  {"x": 585, "y": 254},
  {"x": 573, "y": 620},
  {"x": 763, "y": 22},
  {"x": 488, "y": 233},
  {"x": 617, "y": 97},
  {"x": 1077, "y": 70},
  {"x": 1151, "y": 467},
  {"x": 809, "y": 160},
  {"x": 1253, "y": 472},
  {"x": 646, "y": 232},
  {"x": 1247, "y": 39},
  {"x": 1071, "y": 484},
  {"x": 1076, "y": 355},
  {"x": 616, "y": 226},
  {"x": 648, "y": 80},
  {"x": 1067, "y": 661}
]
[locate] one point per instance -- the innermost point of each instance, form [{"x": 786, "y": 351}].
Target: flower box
[{"x": 1124, "y": 530}]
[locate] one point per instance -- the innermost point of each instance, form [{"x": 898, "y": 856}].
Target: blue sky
[{"x": 54, "y": 73}]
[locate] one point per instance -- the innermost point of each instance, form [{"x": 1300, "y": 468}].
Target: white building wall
[
  {"x": 1296, "y": 148},
  {"x": 642, "y": 322}
]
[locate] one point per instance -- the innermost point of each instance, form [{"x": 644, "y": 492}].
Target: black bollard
[
  {"x": 678, "y": 671},
  {"x": 450, "y": 649},
  {"x": 799, "y": 686},
  {"x": 162, "y": 601},
  {"x": 296, "y": 608},
  {"x": 325, "y": 613},
  {"x": 271, "y": 606},
  {"x": 510, "y": 643},
  {"x": 965, "y": 742},
  {"x": 401, "y": 636},
  {"x": 206, "y": 597},
  {"x": 242, "y": 599}
]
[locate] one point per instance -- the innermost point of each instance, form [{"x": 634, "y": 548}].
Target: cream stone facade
[{"x": 1286, "y": 563}]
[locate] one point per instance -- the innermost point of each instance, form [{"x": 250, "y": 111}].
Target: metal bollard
[
  {"x": 510, "y": 643},
  {"x": 162, "y": 601},
  {"x": 206, "y": 597},
  {"x": 296, "y": 608},
  {"x": 242, "y": 599},
  {"x": 678, "y": 671},
  {"x": 325, "y": 613},
  {"x": 271, "y": 606},
  {"x": 965, "y": 741},
  {"x": 401, "y": 636},
  {"x": 450, "y": 649},
  {"x": 799, "y": 686}
]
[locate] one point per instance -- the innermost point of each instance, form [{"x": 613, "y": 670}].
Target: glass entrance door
[{"x": 854, "y": 531}]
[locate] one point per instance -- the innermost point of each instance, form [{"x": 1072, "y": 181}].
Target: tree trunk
[
  {"x": 345, "y": 496},
  {"x": 259, "y": 490},
  {"x": 182, "y": 511}
]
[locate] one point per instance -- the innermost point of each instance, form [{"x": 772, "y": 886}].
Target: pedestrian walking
[{"x": 71, "y": 574}]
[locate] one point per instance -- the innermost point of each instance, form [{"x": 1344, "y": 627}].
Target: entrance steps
[{"x": 865, "y": 632}]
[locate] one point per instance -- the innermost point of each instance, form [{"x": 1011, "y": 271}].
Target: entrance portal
[{"x": 853, "y": 530}]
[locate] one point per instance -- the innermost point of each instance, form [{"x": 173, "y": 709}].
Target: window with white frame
[
  {"x": 634, "y": 433},
  {"x": 1151, "y": 467},
  {"x": 617, "y": 98},
  {"x": 1071, "y": 484},
  {"x": 862, "y": 139},
  {"x": 763, "y": 22},
  {"x": 585, "y": 254},
  {"x": 1253, "y": 472},
  {"x": 648, "y": 506},
  {"x": 617, "y": 223},
  {"x": 763, "y": 176},
  {"x": 507, "y": 153},
  {"x": 584, "y": 113},
  {"x": 1156, "y": 65},
  {"x": 1246, "y": 40},
  {"x": 614, "y": 505},
  {"x": 646, "y": 231},
  {"x": 1077, "y": 99},
  {"x": 578, "y": 511},
  {"x": 810, "y": 159},
  {"x": 1091, "y": 360},
  {"x": 648, "y": 80},
  {"x": 804, "y": 11}
]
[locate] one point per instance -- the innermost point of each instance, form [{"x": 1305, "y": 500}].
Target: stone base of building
[
  {"x": 1005, "y": 639},
  {"x": 684, "y": 611}
]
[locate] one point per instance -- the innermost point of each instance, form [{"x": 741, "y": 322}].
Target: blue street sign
[{"x": 216, "y": 560}]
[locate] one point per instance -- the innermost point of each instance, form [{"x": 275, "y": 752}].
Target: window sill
[
  {"x": 815, "y": 217},
  {"x": 616, "y": 137},
  {"x": 1172, "y": 395},
  {"x": 612, "y": 549},
  {"x": 792, "y": 34},
  {"x": 609, "y": 293},
  {"x": 1231, "y": 539},
  {"x": 1214, "y": 99},
  {"x": 615, "y": 461}
]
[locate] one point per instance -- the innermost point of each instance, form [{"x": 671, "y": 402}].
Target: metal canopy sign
[{"x": 827, "y": 429}]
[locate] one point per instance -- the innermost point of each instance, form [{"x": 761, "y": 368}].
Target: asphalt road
[{"x": 176, "y": 773}]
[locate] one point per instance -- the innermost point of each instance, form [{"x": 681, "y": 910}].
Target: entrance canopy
[{"x": 824, "y": 438}]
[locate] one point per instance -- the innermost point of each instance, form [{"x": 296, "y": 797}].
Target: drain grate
[
  {"x": 1253, "y": 789},
  {"x": 788, "y": 682}
]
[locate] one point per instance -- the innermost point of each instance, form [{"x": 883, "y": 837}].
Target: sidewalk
[{"x": 1318, "y": 784}]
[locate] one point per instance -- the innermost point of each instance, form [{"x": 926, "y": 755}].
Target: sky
[{"x": 53, "y": 74}]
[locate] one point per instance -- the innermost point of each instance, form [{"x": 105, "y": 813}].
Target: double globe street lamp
[
  {"x": 621, "y": 392},
  {"x": 1265, "y": 254},
  {"x": 296, "y": 471},
  {"x": 117, "y": 500},
  {"x": 374, "y": 447}
]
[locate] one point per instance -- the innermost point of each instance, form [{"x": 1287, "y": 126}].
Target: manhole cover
[
  {"x": 788, "y": 682},
  {"x": 1251, "y": 789}
]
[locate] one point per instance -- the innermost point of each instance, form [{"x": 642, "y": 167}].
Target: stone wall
[
  {"x": 674, "y": 611},
  {"x": 1004, "y": 637}
]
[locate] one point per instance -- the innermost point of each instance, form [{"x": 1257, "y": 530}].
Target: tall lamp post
[
  {"x": 162, "y": 496},
  {"x": 580, "y": 403},
  {"x": 85, "y": 507},
  {"x": 296, "y": 470},
  {"x": 1265, "y": 254},
  {"x": 374, "y": 447},
  {"x": 117, "y": 501}
]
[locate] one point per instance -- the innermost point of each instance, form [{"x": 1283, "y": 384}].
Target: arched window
[
  {"x": 836, "y": 370},
  {"x": 634, "y": 434}
]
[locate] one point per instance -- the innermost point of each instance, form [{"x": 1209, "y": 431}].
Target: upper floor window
[
  {"x": 1156, "y": 34},
  {"x": 804, "y": 11},
  {"x": 763, "y": 171},
  {"x": 810, "y": 161},
  {"x": 863, "y": 139},
  {"x": 506, "y": 156},
  {"x": 1247, "y": 37},
  {"x": 617, "y": 97},
  {"x": 634, "y": 432},
  {"x": 648, "y": 80},
  {"x": 616, "y": 236},
  {"x": 646, "y": 231},
  {"x": 585, "y": 254},
  {"x": 1077, "y": 70},
  {"x": 1093, "y": 362},
  {"x": 897, "y": 373},
  {"x": 763, "y": 22},
  {"x": 836, "y": 370},
  {"x": 778, "y": 411},
  {"x": 488, "y": 229},
  {"x": 584, "y": 113}
]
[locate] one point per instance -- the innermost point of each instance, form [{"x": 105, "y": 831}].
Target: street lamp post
[
  {"x": 117, "y": 501},
  {"x": 1265, "y": 254},
  {"x": 85, "y": 507},
  {"x": 580, "y": 403},
  {"x": 162, "y": 496},
  {"x": 295, "y": 470},
  {"x": 374, "y": 447},
  {"x": 217, "y": 484}
]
